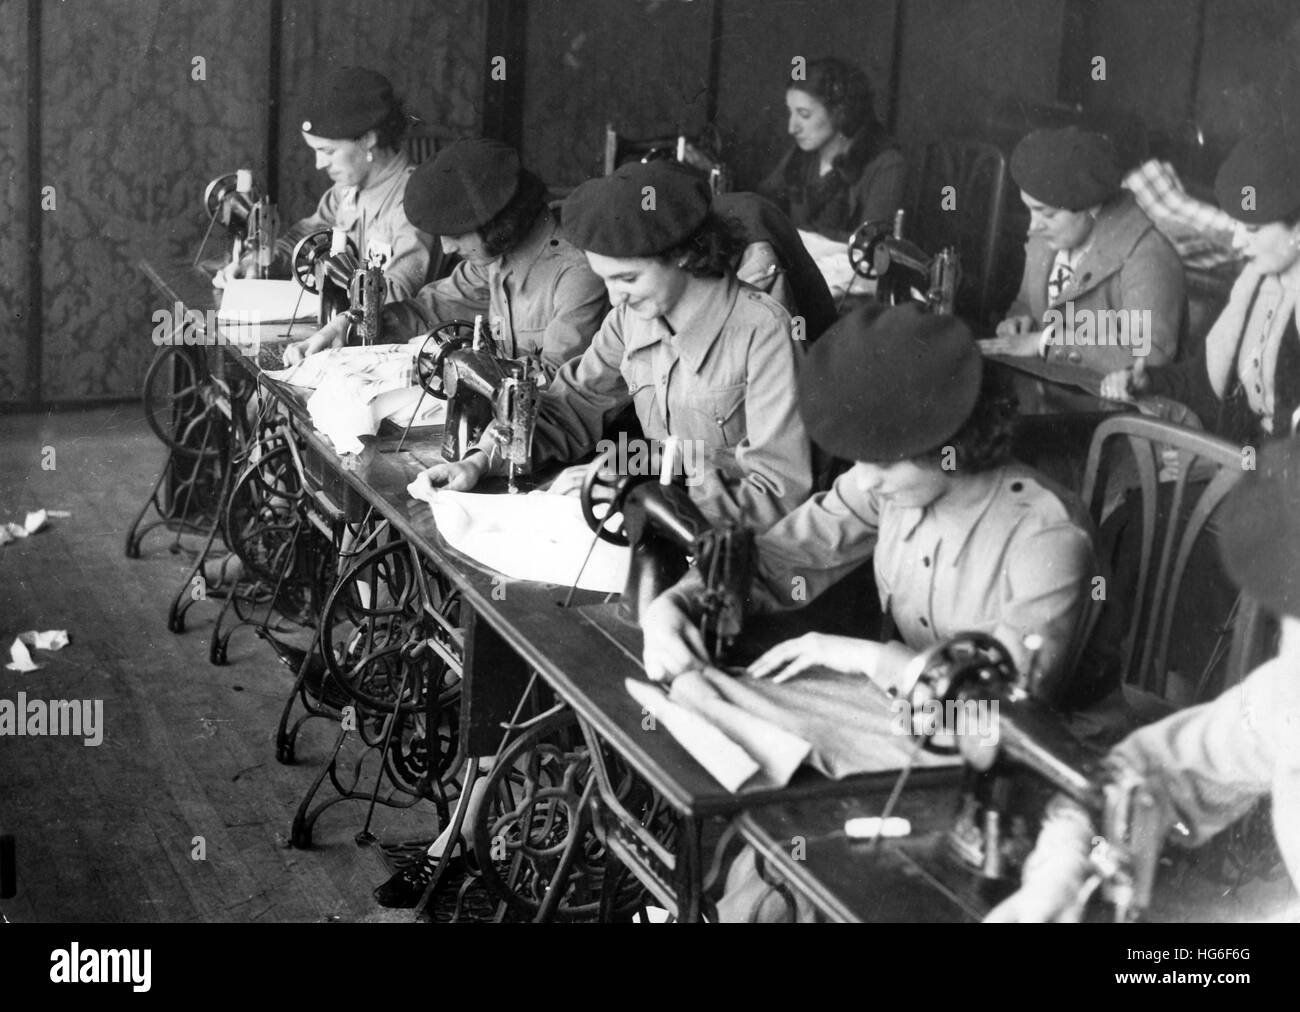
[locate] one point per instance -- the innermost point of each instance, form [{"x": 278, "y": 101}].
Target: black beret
[
  {"x": 888, "y": 386},
  {"x": 640, "y": 210},
  {"x": 463, "y": 188},
  {"x": 1269, "y": 162},
  {"x": 1260, "y": 540},
  {"x": 1069, "y": 168},
  {"x": 348, "y": 103}
]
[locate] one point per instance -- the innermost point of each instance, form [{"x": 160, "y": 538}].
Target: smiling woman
[
  {"x": 700, "y": 357},
  {"x": 355, "y": 124}
]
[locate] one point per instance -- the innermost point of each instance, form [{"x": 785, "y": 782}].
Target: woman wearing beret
[
  {"x": 355, "y": 126},
  {"x": 1244, "y": 385},
  {"x": 1091, "y": 252},
  {"x": 699, "y": 355},
  {"x": 844, "y": 169},
  {"x": 516, "y": 266},
  {"x": 961, "y": 537},
  {"x": 1206, "y": 766}
]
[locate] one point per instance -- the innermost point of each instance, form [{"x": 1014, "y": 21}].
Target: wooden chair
[
  {"x": 1174, "y": 516},
  {"x": 699, "y": 151},
  {"x": 423, "y": 141},
  {"x": 977, "y": 172}
]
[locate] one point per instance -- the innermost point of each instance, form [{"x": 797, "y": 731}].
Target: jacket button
[
  {"x": 925, "y": 623},
  {"x": 926, "y": 561},
  {"x": 1075, "y": 357},
  {"x": 1017, "y": 486}
]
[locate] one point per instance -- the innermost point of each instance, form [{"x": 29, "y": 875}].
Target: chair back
[
  {"x": 957, "y": 192},
  {"x": 1174, "y": 515}
]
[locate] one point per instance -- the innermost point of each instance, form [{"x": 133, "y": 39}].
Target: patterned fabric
[{"x": 1201, "y": 233}]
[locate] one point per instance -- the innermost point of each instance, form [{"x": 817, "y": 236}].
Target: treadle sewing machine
[
  {"x": 949, "y": 684},
  {"x": 237, "y": 203},
  {"x": 665, "y": 529},
  {"x": 902, "y": 270},
  {"x": 458, "y": 363},
  {"x": 326, "y": 263}
]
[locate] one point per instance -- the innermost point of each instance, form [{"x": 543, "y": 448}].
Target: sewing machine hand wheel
[
  {"x": 446, "y": 338},
  {"x": 863, "y": 244},
  {"x": 310, "y": 251},
  {"x": 969, "y": 666},
  {"x": 602, "y": 496}
]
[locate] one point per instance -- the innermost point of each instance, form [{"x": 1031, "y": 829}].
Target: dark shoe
[{"x": 404, "y": 890}]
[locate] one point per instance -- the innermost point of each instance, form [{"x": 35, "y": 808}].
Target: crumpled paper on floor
[
  {"x": 34, "y": 523},
  {"x": 358, "y": 388},
  {"x": 21, "y": 657},
  {"x": 538, "y": 536}
]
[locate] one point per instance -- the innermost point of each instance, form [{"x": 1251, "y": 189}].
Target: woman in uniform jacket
[
  {"x": 961, "y": 536},
  {"x": 699, "y": 355},
  {"x": 1244, "y": 385},
  {"x": 516, "y": 266},
  {"x": 843, "y": 169},
  {"x": 354, "y": 124},
  {"x": 1101, "y": 285}
]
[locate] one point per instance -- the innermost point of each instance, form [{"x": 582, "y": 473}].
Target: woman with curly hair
[
  {"x": 844, "y": 169},
  {"x": 699, "y": 356},
  {"x": 962, "y": 537}
]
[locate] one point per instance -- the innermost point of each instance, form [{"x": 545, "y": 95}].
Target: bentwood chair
[{"x": 1169, "y": 605}]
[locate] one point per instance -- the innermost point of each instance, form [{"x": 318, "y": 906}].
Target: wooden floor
[{"x": 108, "y": 833}]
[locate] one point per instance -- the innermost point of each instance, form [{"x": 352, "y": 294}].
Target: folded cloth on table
[
  {"x": 840, "y": 724},
  {"x": 832, "y": 259},
  {"x": 357, "y": 388},
  {"x": 538, "y": 536}
]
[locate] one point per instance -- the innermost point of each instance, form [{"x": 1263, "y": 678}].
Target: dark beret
[
  {"x": 463, "y": 188},
  {"x": 348, "y": 103},
  {"x": 640, "y": 210},
  {"x": 1069, "y": 168},
  {"x": 1260, "y": 540},
  {"x": 887, "y": 386},
  {"x": 1269, "y": 162}
]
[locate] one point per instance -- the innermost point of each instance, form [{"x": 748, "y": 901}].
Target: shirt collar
[
  {"x": 377, "y": 179},
  {"x": 910, "y": 519},
  {"x": 700, "y": 332},
  {"x": 531, "y": 247}
]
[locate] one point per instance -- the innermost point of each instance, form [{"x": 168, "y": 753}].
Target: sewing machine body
[
  {"x": 995, "y": 826},
  {"x": 237, "y": 203},
  {"x": 903, "y": 272}
]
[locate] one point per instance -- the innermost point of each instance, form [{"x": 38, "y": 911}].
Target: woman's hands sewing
[
  {"x": 1016, "y": 335},
  {"x": 332, "y": 335},
  {"x": 569, "y": 481},
  {"x": 460, "y": 476},
  {"x": 817, "y": 650},
  {"x": 673, "y": 644}
]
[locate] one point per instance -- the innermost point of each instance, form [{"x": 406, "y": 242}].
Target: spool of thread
[
  {"x": 338, "y": 241},
  {"x": 871, "y": 826},
  {"x": 243, "y": 181}
]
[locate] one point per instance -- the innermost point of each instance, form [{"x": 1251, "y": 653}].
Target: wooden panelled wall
[{"x": 128, "y": 138}]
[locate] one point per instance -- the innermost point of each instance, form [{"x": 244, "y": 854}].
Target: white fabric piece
[
  {"x": 20, "y": 656},
  {"x": 538, "y": 536},
  {"x": 358, "y": 388},
  {"x": 777, "y": 752},
  {"x": 832, "y": 259},
  {"x": 728, "y": 763},
  {"x": 263, "y": 301},
  {"x": 35, "y": 521}
]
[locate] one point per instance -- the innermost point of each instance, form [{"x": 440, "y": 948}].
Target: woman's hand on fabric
[
  {"x": 569, "y": 481},
  {"x": 457, "y": 476},
  {"x": 672, "y": 642},
  {"x": 816, "y": 650},
  {"x": 1021, "y": 344}
]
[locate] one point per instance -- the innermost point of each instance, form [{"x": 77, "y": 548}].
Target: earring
[{"x": 370, "y": 155}]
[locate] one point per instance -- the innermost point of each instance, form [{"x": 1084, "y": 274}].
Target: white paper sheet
[
  {"x": 258, "y": 301},
  {"x": 538, "y": 536},
  {"x": 21, "y": 657},
  {"x": 832, "y": 259}
]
